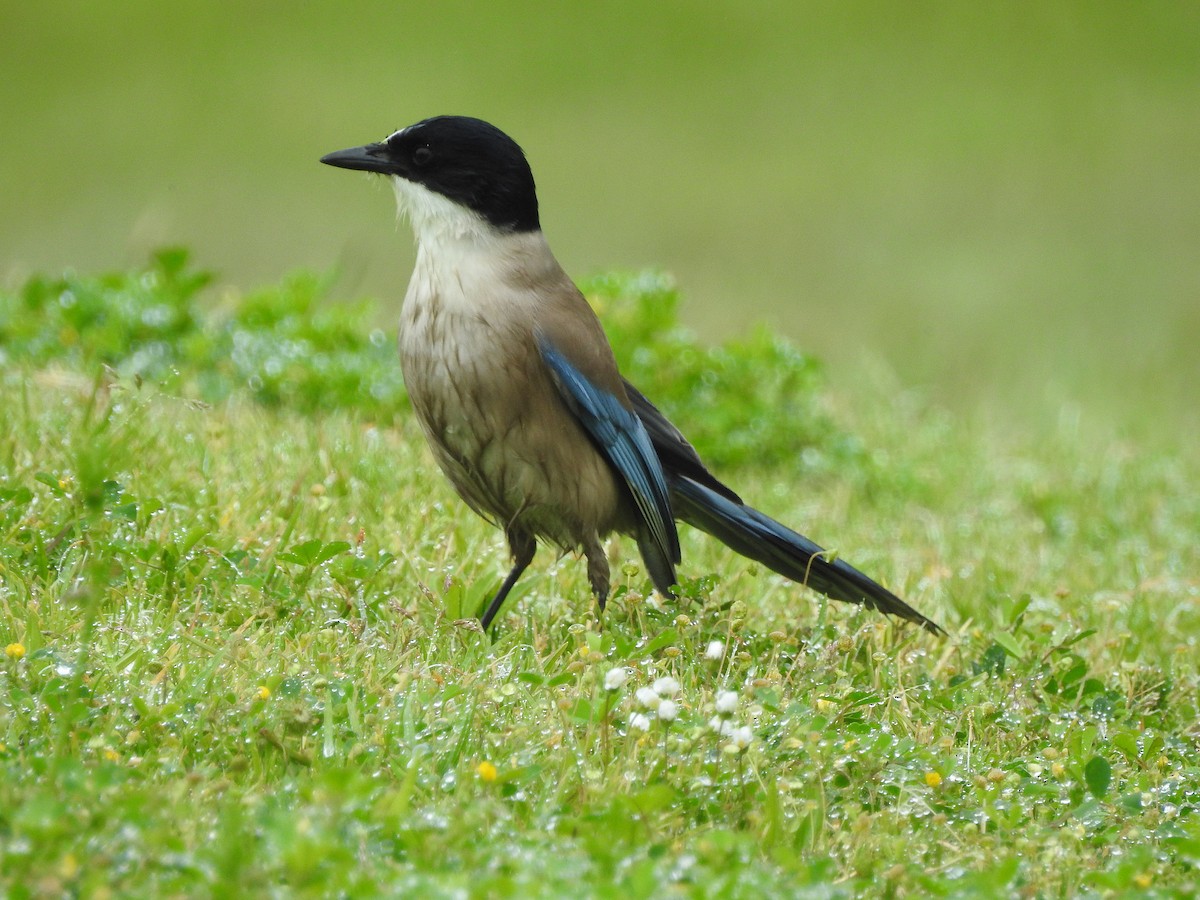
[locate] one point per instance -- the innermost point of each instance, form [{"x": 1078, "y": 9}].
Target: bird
[{"x": 517, "y": 391}]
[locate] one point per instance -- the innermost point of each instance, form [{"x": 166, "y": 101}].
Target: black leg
[
  {"x": 522, "y": 546},
  {"x": 598, "y": 573}
]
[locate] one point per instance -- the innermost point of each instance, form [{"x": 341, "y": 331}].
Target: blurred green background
[{"x": 997, "y": 204}]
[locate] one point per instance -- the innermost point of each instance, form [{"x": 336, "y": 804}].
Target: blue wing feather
[{"x": 623, "y": 440}]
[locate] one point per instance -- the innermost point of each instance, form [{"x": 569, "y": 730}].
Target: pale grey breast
[{"x": 494, "y": 420}]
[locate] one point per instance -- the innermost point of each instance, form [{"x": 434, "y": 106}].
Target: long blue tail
[
  {"x": 759, "y": 537},
  {"x": 701, "y": 500}
]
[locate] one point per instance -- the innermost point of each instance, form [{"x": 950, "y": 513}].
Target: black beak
[{"x": 369, "y": 158}]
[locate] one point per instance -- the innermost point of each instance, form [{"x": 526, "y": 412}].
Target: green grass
[{"x": 237, "y": 597}]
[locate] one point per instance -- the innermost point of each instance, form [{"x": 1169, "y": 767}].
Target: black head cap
[{"x": 467, "y": 160}]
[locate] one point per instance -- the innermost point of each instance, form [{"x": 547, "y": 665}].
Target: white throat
[
  {"x": 464, "y": 263},
  {"x": 438, "y": 221}
]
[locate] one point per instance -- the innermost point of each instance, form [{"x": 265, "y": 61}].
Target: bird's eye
[{"x": 422, "y": 156}]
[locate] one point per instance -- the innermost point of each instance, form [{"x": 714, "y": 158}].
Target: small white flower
[
  {"x": 647, "y": 697},
  {"x": 722, "y": 727},
  {"x": 727, "y": 702},
  {"x": 614, "y": 680},
  {"x": 714, "y": 650},
  {"x": 666, "y": 686},
  {"x": 668, "y": 710},
  {"x": 640, "y": 722},
  {"x": 741, "y": 738}
]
